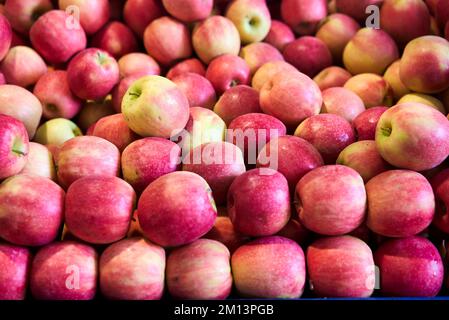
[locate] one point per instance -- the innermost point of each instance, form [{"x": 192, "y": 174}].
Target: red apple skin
[
  {"x": 5, "y": 36},
  {"x": 258, "y": 53},
  {"x": 115, "y": 129},
  {"x": 23, "y": 13},
  {"x": 138, "y": 14},
  {"x": 237, "y": 101},
  {"x": 219, "y": 163},
  {"x": 227, "y": 71},
  {"x": 335, "y": 210},
  {"x": 32, "y": 210},
  {"x": 53, "y": 91},
  {"x": 400, "y": 203},
  {"x": 308, "y": 54},
  {"x": 328, "y": 133},
  {"x": 200, "y": 270},
  {"x": 189, "y": 10},
  {"x": 56, "y": 267},
  {"x": 342, "y": 102},
  {"x": 132, "y": 269},
  {"x": 303, "y": 16},
  {"x": 373, "y": 89},
  {"x": 224, "y": 232},
  {"x": 192, "y": 65},
  {"x": 341, "y": 266},
  {"x": 176, "y": 209},
  {"x": 442, "y": 13},
  {"x": 268, "y": 71},
  {"x": 295, "y": 231},
  {"x": 355, "y": 9},
  {"x": 15, "y": 263},
  {"x": 332, "y": 77},
  {"x": 92, "y": 74},
  {"x": 259, "y": 268},
  {"x": 280, "y": 35},
  {"x": 440, "y": 185},
  {"x": 295, "y": 157},
  {"x": 167, "y": 40},
  {"x": 119, "y": 91},
  {"x": 52, "y": 38},
  {"x": 93, "y": 14},
  {"x": 115, "y": 38},
  {"x": 145, "y": 160},
  {"x": 409, "y": 267},
  {"x": 137, "y": 63},
  {"x": 198, "y": 90},
  {"x": 14, "y": 146},
  {"x": 2, "y": 79},
  {"x": 365, "y": 123},
  {"x": 85, "y": 156}
]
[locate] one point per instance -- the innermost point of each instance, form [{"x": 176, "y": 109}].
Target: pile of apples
[{"x": 201, "y": 149}]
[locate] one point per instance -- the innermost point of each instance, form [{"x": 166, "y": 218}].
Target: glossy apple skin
[
  {"x": 52, "y": 38},
  {"x": 365, "y": 123},
  {"x": 132, "y": 269},
  {"x": 373, "y": 89},
  {"x": 5, "y": 36},
  {"x": 332, "y": 77},
  {"x": 258, "y": 53},
  {"x": 188, "y": 65},
  {"x": 393, "y": 78},
  {"x": 259, "y": 269},
  {"x": 280, "y": 35},
  {"x": 227, "y": 71},
  {"x": 189, "y": 10},
  {"x": 93, "y": 14},
  {"x": 32, "y": 210},
  {"x": 413, "y": 136},
  {"x": 15, "y": 263},
  {"x": 23, "y": 13},
  {"x": 40, "y": 162},
  {"x": 115, "y": 38},
  {"x": 440, "y": 185},
  {"x": 176, "y": 209},
  {"x": 400, "y": 203},
  {"x": 145, "y": 160},
  {"x": 409, "y": 267},
  {"x": 56, "y": 267},
  {"x": 138, "y": 14},
  {"x": 115, "y": 129},
  {"x": 342, "y": 102},
  {"x": 137, "y": 64},
  {"x": 267, "y": 72},
  {"x": 200, "y": 270},
  {"x": 198, "y": 90},
  {"x": 223, "y": 231},
  {"x": 341, "y": 266},
  {"x": 303, "y": 16}
]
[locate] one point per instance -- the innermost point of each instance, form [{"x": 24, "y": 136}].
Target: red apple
[
  {"x": 440, "y": 187},
  {"x": 295, "y": 231},
  {"x": 355, "y": 9},
  {"x": 267, "y": 72},
  {"x": 303, "y": 16},
  {"x": 115, "y": 38},
  {"x": 372, "y": 89},
  {"x": 138, "y": 14},
  {"x": 93, "y": 14},
  {"x": 259, "y": 53},
  {"x": 280, "y": 35},
  {"x": 23, "y": 13},
  {"x": 5, "y": 36},
  {"x": 365, "y": 123},
  {"x": 224, "y": 232},
  {"x": 15, "y": 264},
  {"x": 198, "y": 90},
  {"x": 40, "y": 162},
  {"x": 189, "y": 10},
  {"x": 332, "y": 77},
  {"x": 442, "y": 13},
  {"x": 2, "y": 79},
  {"x": 137, "y": 63},
  {"x": 342, "y": 102},
  {"x": 227, "y": 71},
  {"x": 189, "y": 65},
  {"x": 115, "y": 129}
]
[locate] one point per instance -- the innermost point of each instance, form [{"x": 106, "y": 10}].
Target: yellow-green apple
[
  {"x": 372, "y": 89},
  {"x": 14, "y": 146},
  {"x": 92, "y": 74},
  {"x": 92, "y": 14},
  {"x": 365, "y": 123},
  {"x": 392, "y": 76},
  {"x": 15, "y": 263},
  {"x": 409, "y": 267},
  {"x": 21, "y": 104},
  {"x": 188, "y": 65},
  {"x": 200, "y": 270},
  {"x": 167, "y": 40},
  {"x": 291, "y": 156},
  {"x": 400, "y": 203},
  {"x": 428, "y": 100},
  {"x": 107, "y": 217},
  {"x": 363, "y": 157},
  {"x": 440, "y": 185},
  {"x": 215, "y": 36},
  {"x": 224, "y": 232},
  {"x": 237, "y": 101},
  {"x": 413, "y": 136},
  {"x": 138, "y": 14},
  {"x": 341, "y": 266},
  {"x": 56, "y": 132},
  {"x": 310, "y": 55},
  {"x": 115, "y": 129},
  {"x": 154, "y": 106},
  {"x": 251, "y": 17},
  {"x": 424, "y": 65},
  {"x": 5, "y": 36},
  {"x": 219, "y": 163},
  {"x": 259, "y": 268},
  {"x": 227, "y": 71},
  {"x": 295, "y": 231},
  {"x": 137, "y": 63},
  {"x": 189, "y": 10},
  {"x": 338, "y": 208},
  {"x": 40, "y": 162},
  {"x": 23, "y": 13},
  {"x": 332, "y": 77},
  {"x": 22, "y": 66},
  {"x": 32, "y": 210},
  {"x": 290, "y": 98},
  {"x": 280, "y": 35},
  {"x": 267, "y": 71},
  {"x": 342, "y": 102},
  {"x": 119, "y": 91},
  {"x": 115, "y": 38},
  {"x": 176, "y": 209},
  {"x": 92, "y": 111},
  {"x": 145, "y": 160},
  {"x": 198, "y": 89},
  {"x": 303, "y": 16},
  {"x": 132, "y": 269},
  {"x": 355, "y": 9},
  {"x": 370, "y": 51},
  {"x": 53, "y": 91},
  {"x": 259, "y": 53},
  {"x": 64, "y": 271},
  {"x": 86, "y": 156},
  {"x": 57, "y": 36}
]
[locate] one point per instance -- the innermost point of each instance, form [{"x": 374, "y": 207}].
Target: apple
[
  {"x": 132, "y": 269},
  {"x": 295, "y": 231},
  {"x": 32, "y": 210},
  {"x": 145, "y": 160},
  {"x": 15, "y": 263},
  {"x": 280, "y": 35},
  {"x": 332, "y": 77},
  {"x": 224, "y": 232},
  {"x": 57, "y": 36},
  {"x": 303, "y": 16},
  {"x": 259, "y": 53},
  {"x": 92, "y": 111},
  {"x": 64, "y": 271},
  {"x": 267, "y": 72},
  {"x": 57, "y": 131},
  {"x": 116, "y": 38},
  {"x": 366, "y": 122},
  {"x": 176, "y": 209},
  {"x": 413, "y": 136},
  {"x": 372, "y": 89},
  {"x": 425, "y": 99},
  {"x": 2, "y": 79},
  {"x": 393, "y": 78},
  {"x": 86, "y": 156},
  {"x": 189, "y": 10},
  {"x": 154, "y": 106},
  {"x": 442, "y": 13},
  {"x": 440, "y": 187},
  {"x": 200, "y": 270},
  {"x": 92, "y": 14},
  {"x": 342, "y": 102},
  {"x": 355, "y": 9},
  {"x": 137, "y": 63},
  {"x": 138, "y": 14},
  {"x": 23, "y": 13},
  {"x": 341, "y": 266},
  {"x": 192, "y": 65},
  {"x": 115, "y": 129},
  {"x": 215, "y": 36},
  {"x": 14, "y": 146},
  {"x": 227, "y": 71},
  {"x": 259, "y": 268},
  {"x": 39, "y": 162},
  {"x": 119, "y": 91},
  {"x": 400, "y": 203},
  {"x": 409, "y": 267},
  {"x": 53, "y": 91},
  {"x": 198, "y": 89},
  {"x": 5, "y": 36}
]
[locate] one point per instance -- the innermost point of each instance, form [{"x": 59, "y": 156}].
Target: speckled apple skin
[{"x": 15, "y": 263}]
